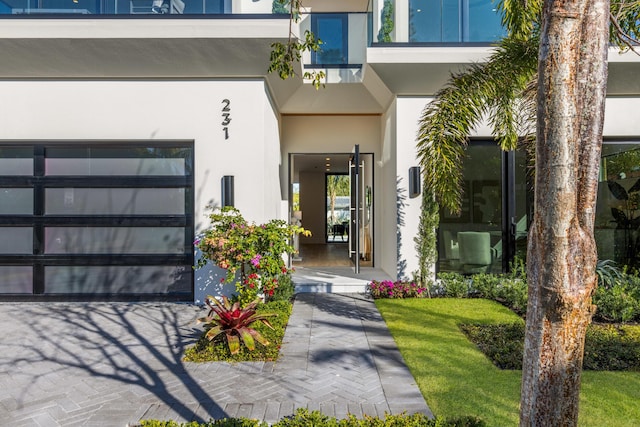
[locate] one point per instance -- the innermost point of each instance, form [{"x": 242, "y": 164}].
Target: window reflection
[
  {"x": 454, "y": 21},
  {"x": 617, "y": 225}
]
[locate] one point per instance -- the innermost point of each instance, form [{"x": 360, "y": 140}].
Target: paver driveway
[{"x": 111, "y": 364}]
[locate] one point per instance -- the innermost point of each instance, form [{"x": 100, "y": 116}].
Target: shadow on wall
[
  {"x": 100, "y": 361},
  {"x": 400, "y": 207},
  {"x": 209, "y": 281}
]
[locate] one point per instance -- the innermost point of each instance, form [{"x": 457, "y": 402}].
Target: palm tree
[{"x": 337, "y": 185}]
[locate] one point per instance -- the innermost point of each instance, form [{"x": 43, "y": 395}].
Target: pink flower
[{"x": 256, "y": 260}]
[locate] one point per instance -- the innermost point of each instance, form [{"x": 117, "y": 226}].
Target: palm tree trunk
[{"x": 562, "y": 255}]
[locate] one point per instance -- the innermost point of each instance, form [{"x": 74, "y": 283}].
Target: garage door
[{"x": 96, "y": 221}]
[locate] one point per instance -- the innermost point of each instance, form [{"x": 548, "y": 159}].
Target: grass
[
  {"x": 456, "y": 378},
  {"x": 217, "y": 350}
]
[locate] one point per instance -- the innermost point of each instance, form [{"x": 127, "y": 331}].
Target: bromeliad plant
[
  {"x": 234, "y": 322},
  {"x": 254, "y": 252}
]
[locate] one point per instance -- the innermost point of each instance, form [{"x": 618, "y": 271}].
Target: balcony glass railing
[
  {"x": 436, "y": 21},
  {"x": 136, "y": 7}
]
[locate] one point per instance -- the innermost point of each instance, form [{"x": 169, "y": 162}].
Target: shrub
[
  {"x": 225, "y": 422},
  {"x": 612, "y": 348},
  {"x": 618, "y": 303},
  {"x": 484, "y": 285},
  {"x": 453, "y": 285},
  {"x": 513, "y": 293},
  {"x": 253, "y": 251},
  {"x": 607, "y": 348},
  {"x": 503, "y": 344},
  {"x": 285, "y": 289},
  {"x": 304, "y": 418},
  {"x": 398, "y": 289}
]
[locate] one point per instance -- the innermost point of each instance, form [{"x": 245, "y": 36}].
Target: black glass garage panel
[
  {"x": 16, "y": 201},
  {"x": 114, "y": 240},
  {"x": 118, "y": 279},
  {"x": 134, "y": 161},
  {"x": 16, "y": 161},
  {"x": 16, "y": 240},
  {"x": 16, "y": 279},
  {"x": 115, "y": 201}
]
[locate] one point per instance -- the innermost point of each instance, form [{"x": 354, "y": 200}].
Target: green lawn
[{"x": 456, "y": 378}]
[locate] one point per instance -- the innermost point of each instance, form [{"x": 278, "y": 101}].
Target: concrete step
[{"x": 335, "y": 279}]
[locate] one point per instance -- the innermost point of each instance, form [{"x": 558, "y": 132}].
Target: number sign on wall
[{"x": 226, "y": 117}]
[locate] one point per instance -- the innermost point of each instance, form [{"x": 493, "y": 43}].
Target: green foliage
[
  {"x": 503, "y": 344},
  {"x": 607, "y": 347},
  {"x": 612, "y": 348},
  {"x": 453, "y": 285},
  {"x": 384, "y": 35},
  {"x": 426, "y": 237},
  {"x": 397, "y": 289},
  {"x": 285, "y": 289},
  {"x": 619, "y": 302},
  {"x": 280, "y": 6},
  {"x": 499, "y": 90},
  {"x": 225, "y": 422},
  {"x": 608, "y": 273},
  {"x": 285, "y": 56},
  {"x": 218, "y": 350},
  {"x": 507, "y": 289},
  {"x": 234, "y": 321},
  {"x": 254, "y": 251},
  {"x": 305, "y": 418}
]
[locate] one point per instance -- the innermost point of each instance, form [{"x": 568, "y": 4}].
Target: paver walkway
[{"x": 111, "y": 364}]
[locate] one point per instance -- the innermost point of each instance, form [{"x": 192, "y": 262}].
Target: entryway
[{"x": 326, "y": 201}]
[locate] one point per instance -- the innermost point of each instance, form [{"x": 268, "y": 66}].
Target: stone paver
[{"x": 112, "y": 364}]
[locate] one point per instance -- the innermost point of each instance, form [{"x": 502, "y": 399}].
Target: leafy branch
[{"x": 285, "y": 55}]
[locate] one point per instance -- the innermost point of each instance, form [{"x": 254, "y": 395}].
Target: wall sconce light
[
  {"x": 414, "y": 182},
  {"x": 227, "y": 191}
]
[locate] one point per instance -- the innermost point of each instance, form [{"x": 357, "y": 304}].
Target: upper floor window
[
  {"x": 454, "y": 21},
  {"x": 332, "y": 29}
]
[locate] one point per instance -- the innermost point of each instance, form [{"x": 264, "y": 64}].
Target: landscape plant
[
  {"x": 305, "y": 418},
  {"x": 234, "y": 321},
  {"x": 397, "y": 289},
  {"x": 217, "y": 350},
  {"x": 251, "y": 254}
]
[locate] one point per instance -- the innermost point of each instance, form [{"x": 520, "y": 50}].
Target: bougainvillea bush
[
  {"x": 397, "y": 289},
  {"x": 252, "y": 254}
]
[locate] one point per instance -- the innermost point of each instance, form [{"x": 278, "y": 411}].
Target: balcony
[
  {"x": 436, "y": 21},
  {"x": 135, "y": 7}
]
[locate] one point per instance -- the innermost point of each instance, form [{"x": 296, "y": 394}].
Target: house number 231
[{"x": 226, "y": 117}]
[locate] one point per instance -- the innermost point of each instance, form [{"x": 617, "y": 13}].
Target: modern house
[{"x": 121, "y": 121}]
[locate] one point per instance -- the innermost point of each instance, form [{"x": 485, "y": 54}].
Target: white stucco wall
[
  {"x": 84, "y": 111},
  {"x": 408, "y": 114},
  {"x": 387, "y": 238}
]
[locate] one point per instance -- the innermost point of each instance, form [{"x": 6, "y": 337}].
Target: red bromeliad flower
[{"x": 234, "y": 321}]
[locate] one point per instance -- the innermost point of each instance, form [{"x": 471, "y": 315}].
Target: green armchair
[{"x": 476, "y": 253}]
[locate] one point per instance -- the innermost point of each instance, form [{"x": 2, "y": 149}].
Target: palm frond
[{"x": 493, "y": 90}]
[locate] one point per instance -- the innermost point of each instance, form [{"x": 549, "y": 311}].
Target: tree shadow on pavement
[{"x": 106, "y": 360}]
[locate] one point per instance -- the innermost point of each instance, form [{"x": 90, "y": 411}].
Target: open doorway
[{"x": 320, "y": 199}]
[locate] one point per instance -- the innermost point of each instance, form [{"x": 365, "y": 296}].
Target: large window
[
  {"x": 617, "y": 225},
  {"x": 443, "y": 21},
  {"x": 100, "y": 220}
]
